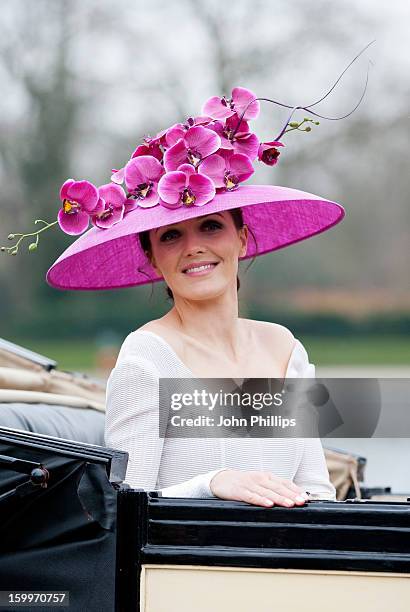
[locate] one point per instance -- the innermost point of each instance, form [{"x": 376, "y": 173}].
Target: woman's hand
[{"x": 257, "y": 488}]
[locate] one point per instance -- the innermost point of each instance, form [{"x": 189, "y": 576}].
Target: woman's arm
[
  {"x": 132, "y": 425},
  {"x": 312, "y": 474}
]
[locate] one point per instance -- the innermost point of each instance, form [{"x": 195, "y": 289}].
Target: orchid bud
[
  {"x": 2, "y": 248},
  {"x": 308, "y": 129},
  {"x": 317, "y": 122},
  {"x": 10, "y": 237},
  {"x": 294, "y": 124},
  {"x": 32, "y": 246},
  {"x": 13, "y": 252}
]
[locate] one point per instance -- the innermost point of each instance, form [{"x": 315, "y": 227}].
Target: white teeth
[{"x": 198, "y": 268}]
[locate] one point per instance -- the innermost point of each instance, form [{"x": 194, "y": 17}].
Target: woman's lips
[{"x": 200, "y": 270}]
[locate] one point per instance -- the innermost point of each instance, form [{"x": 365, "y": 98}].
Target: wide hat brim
[{"x": 113, "y": 258}]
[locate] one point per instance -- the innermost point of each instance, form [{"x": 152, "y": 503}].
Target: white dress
[{"x": 184, "y": 467}]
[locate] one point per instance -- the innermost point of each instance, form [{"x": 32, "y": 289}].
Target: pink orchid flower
[
  {"x": 227, "y": 169},
  {"x": 200, "y": 120},
  {"x": 117, "y": 176},
  {"x": 114, "y": 205},
  {"x": 178, "y": 130},
  {"x": 184, "y": 187},
  {"x": 160, "y": 138},
  {"x": 149, "y": 146},
  {"x": 241, "y": 101},
  {"x": 175, "y": 133},
  {"x": 237, "y": 137},
  {"x": 141, "y": 178},
  {"x": 268, "y": 152},
  {"x": 80, "y": 199},
  {"x": 197, "y": 142}
]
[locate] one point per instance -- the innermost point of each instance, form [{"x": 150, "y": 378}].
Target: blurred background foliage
[{"x": 83, "y": 82}]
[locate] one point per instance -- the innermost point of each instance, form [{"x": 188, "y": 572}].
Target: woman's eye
[
  {"x": 167, "y": 236},
  {"x": 212, "y": 225},
  {"x": 206, "y": 225}
]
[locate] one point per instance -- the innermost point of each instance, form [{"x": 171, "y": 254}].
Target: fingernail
[
  {"x": 300, "y": 498},
  {"x": 289, "y": 502}
]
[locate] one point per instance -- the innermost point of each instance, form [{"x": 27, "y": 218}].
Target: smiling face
[{"x": 198, "y": 258}]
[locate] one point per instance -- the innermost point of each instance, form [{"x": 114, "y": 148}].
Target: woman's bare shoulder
[
  {"x": 273, "y": 335},
  {"x": 150, "y": 326},
  {"x": 164, "y": 330},
  {"x": 157, "y": 326}
]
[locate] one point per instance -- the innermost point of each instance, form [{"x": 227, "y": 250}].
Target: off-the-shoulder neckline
[{"x": 296, "y": 347}]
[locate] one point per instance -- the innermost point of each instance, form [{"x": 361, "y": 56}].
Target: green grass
[
  {"x": 385, "y": 350},
  {"x": 69, "y": 354},
  {"x": 391, "y": 350}
]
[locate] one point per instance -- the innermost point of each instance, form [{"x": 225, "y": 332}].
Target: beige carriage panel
[{"x": 173, "y": 588}]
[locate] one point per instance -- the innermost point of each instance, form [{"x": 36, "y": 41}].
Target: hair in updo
[{"x": 146, "y": 246}]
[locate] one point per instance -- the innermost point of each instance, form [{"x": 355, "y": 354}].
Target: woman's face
[{"x": 211, "y": 240}]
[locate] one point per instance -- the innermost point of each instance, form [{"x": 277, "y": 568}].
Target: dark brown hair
[{"x": 237, "y": 217}]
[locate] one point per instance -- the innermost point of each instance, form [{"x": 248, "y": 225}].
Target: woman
[
  {"x": 203, "y": 335},
  {"x": 185, "y": 218}
]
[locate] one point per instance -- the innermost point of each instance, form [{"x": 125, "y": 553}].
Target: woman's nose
[{"x": 192, "y": 244}]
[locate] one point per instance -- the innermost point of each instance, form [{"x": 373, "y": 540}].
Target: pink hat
[
  {"x": 112, "y": 258},
  {"x": 188, "y": 170}
]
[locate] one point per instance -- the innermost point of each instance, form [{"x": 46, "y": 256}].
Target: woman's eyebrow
[{"x": 210, "y": 215}]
